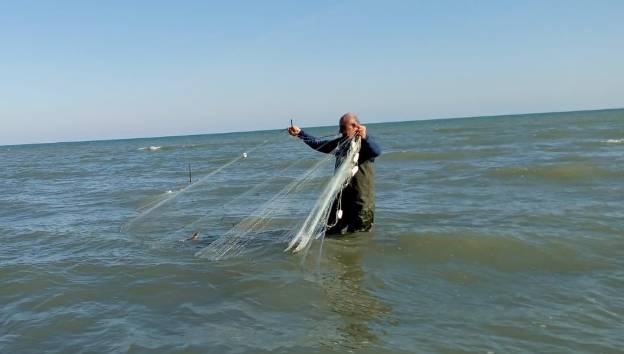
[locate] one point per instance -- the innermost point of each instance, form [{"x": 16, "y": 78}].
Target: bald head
[
  {"x": 348, "y": 123},
  {"x": 349, "y": 117}
]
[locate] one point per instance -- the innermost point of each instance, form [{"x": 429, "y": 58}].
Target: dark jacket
[{"x": 358, "y": 198}]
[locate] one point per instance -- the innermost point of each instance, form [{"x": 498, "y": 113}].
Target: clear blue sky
[{"x": 81, "y": 70}]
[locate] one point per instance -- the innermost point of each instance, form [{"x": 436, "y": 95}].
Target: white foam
[
  {"x": 614, "y": 141},
  {"x": 150, "y": 148}
]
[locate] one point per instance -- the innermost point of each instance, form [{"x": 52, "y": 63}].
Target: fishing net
[{"x": 289, "y": 203}]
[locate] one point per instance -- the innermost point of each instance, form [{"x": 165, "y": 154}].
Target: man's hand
[
  {"x": 360, "y": 130},
  {"x": 294, "y": 130}
]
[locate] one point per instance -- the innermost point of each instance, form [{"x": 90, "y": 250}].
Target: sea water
[{"x": 492, "y": 235}]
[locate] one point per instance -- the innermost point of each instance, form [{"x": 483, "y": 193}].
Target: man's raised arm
[{"x": 322, "y": 145}]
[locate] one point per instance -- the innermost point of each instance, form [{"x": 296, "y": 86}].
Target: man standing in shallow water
[{"x": 358, "y": 197}]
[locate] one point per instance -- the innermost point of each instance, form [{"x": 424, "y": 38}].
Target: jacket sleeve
[
  {"x": 370, "y": 147},
  {"x": 326, "y": 146}
]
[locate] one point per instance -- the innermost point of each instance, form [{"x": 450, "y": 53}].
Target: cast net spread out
[{"x": 286, "y": 202}]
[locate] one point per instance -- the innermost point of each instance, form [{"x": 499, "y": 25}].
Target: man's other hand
[{"x": 360, "y": 130}]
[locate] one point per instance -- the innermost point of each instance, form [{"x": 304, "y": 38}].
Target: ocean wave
[
  {"x": 450, "y": 129},
  {"x": 570, "y": 171},
  {"x": 614, "y": 141},
  {"x": 406, "y": 155},
  {"x": 179, "y": 146},
  {"x": 554, "y": 133},
  {"x": 150, "y": 148},
  {"x": 501, "y": 252}
]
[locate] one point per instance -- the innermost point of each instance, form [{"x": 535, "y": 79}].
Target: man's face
[{"x": 347, "y": 127}]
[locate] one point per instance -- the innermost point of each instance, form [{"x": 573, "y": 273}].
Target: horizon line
[{"x": 320, "y": 126}]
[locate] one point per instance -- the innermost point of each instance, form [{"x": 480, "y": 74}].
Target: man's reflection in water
[{"x": 342, "y": 280}]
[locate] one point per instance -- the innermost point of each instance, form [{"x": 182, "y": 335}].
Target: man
[{"x": 358, "y": 197}]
